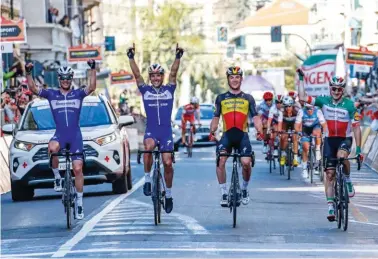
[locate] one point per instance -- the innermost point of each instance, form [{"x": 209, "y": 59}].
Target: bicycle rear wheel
[
  {"x": 345, "y": 209},
  {"x": 270, "y": 161}
]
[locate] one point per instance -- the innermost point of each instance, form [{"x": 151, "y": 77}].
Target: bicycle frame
[
  {"x": 234, "y": 192},
  {"x": 289, "y": 149},
  {"x": 158, "y": 187},
  {"x": 341, "y": 191},
  {"x": 69, "y": 190}
]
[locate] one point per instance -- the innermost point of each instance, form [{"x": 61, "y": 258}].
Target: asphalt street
[{"x": 285, "y": 218}]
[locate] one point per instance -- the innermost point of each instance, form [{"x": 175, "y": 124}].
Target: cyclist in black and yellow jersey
[{"x": 235, "y": 107}]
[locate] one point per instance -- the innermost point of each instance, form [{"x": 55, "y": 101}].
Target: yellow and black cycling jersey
[{"x": 234, "y": 109}]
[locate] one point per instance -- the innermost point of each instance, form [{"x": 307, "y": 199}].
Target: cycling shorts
[
  {"x": 187, "y": 118},
  {"x": 307, "y": 132},
  {"x": 161, "y": 135},
  {"x": 235, "y": 138},
  {"x": 331, "y": 146},
  {"x": 288, "y": 125},
  {"x": 75, "y": 141}
]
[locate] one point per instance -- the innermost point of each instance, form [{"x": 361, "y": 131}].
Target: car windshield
[
  {"x": 206, "y": 113},
  {"x": 40, "y": 117}
]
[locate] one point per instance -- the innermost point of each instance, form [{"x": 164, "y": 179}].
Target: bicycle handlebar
[
  {"x": 235, "y": 155},
  {"x": 155, "y": 152},
  {"x": 342, "y": 159}
]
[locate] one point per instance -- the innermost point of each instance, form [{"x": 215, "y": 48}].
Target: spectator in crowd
[
  {"x": 65, "y": 21},
  {"x": 52, "y": 15},
  {"x": 11, "y": 111}
]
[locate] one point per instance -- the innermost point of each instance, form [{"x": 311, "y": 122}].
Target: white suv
[{"x": 106, "y": 148}]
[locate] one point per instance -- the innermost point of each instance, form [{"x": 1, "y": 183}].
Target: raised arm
[
  {"x": 134, "y": 67},
  {"x": 175, "y": 65},
  {"x": 217, "y": 113},
  {"x": 32, "y": 86},
  {"x": 92, "y": 77}
]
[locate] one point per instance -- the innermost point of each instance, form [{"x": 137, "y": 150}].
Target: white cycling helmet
[
  {"x": 156, "y": 69},
  {"x": 63, "y": 71},
  {"x": 288, "y": 101},
  {"x": 308, "y": 105},
  {"x": 194, "y": 100}
]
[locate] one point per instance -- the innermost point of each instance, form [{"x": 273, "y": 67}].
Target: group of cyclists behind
[{"x": 334, "y": 117}]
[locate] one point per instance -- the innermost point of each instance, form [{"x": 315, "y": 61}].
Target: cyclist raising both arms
[
  {"x": 235, "y": 106},
  {"x": 342, "y": 118},
  {"x": 65, "y": 105},
  {"x": 158, "y": 103},
  {"x": 308, "y": 121},
  {"x": 189, "y": 112}
]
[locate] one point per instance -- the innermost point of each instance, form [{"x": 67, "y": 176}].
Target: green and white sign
[{"x": 318, "y": 70}]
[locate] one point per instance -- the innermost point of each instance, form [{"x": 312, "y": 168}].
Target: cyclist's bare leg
[
  {"x": 183, "y": 131},
  {"x": 149, "y": 145},
  {"x": 344, "y": 154},
  {"x": 54, "y": 148},
  {"x": 318, "y": 140},
  {"x": 168, "y": 169},
  {"x": 77, "y": 166},
  {"x": 306, "y": 148},
  {"x": 329, "y": 182},
  {"x": 247, "y": 169},
  {"x": 283, "y": 142},
  {"x": 221, "y": 170}
]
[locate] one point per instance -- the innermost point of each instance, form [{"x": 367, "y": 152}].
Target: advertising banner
[
  {"x": 318, "y": 70},
  {"x": 122, "y": 79},
  {"x": 83, "y": 53},
  {"x": 13, "y": 31}
]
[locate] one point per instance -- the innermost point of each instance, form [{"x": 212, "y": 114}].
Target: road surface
[{"x": 285, "y": 218}]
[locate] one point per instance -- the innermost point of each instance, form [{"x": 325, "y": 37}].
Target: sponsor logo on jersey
[
  {"x": 58, "y": 104},
  {"x": 166, "y": 95},
  {"x": 357, "y": 116}
]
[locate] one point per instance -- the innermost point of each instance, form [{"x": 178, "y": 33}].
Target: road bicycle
[
  {"x": 341, "y": 191},
  {"x": 68, "y": 186},
  {"x": 289, "y": 153},
  {"x": 158, "y": 185},
  {"x": 234, "y": 193}
]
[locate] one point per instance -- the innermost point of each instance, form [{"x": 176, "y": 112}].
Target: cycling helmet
[
  {"x": 234, "y": 71},
  {"x": 337, "y": 81},
  {"x": 194, "y": 100},
  {"x": 279, "y": 98},
  {"x": 65, "y": 71},
  {"x": 268, "y": 96},
  {"x": 156, "y": 69},
  {"x": 293, "y": 94},
  {"x": 308, "y": 106},
  {"x": 288, "y": 101}
]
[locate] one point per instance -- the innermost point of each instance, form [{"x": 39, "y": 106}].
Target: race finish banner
[
  {"x": 84, "y": 52},
  {"x": 122, "y": 79},
  {"x": 13, "y": 31},
  {"x": 318, "y": 70}
]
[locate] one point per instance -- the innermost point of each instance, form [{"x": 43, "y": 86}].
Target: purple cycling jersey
[
  {"x": 65, "y": 108},
  {"x": 158, "y": 104}
]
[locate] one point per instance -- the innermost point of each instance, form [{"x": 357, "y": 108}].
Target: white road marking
[
  {"x": 134, "y": 223},
  {"x": 207, "y": 249},
  {"x": 139, "y": 232},
  {"x": 364, "y": 223},
  {"x": 89, "y": 225},
  {"x": 135, "y": 227}
]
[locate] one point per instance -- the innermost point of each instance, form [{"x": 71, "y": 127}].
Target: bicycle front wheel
[
  {"x": 234, "y": 198},
  {"x": 310, "y": 159},
  {"x": 67, "y": 199},
  {"x": 338, "y": 202},
  {"x": 344, "y": 202},
  {"x": 290, "y": 161}
]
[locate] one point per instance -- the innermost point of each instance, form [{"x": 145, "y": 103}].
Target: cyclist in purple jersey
[
  {"x": 158, "y": 104},
  {"x": 65, "y": 105}
]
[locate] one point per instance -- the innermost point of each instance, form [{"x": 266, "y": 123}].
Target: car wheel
[
  {"x": 119, "y": 186},
  {"x": 21, "y": 192},
  {"x": 129, "y": 176}
]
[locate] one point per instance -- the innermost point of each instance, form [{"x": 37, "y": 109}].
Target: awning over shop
[{"x": 281, "y": 12}]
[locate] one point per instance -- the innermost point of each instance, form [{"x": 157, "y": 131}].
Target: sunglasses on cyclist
[
  {"x": 337, "y": 89},
  {"x": 269, "y": 100},
  {"x": 68, "y": 77}
]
